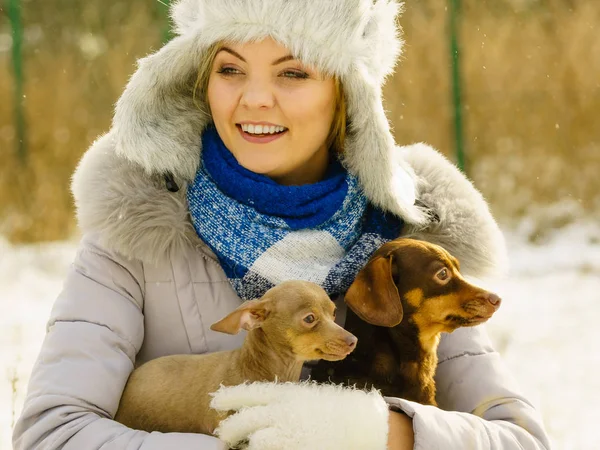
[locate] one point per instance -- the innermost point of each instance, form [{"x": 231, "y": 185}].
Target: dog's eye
[
  {"x": 443, "y": 274},
  {"x": 310, "y": 318}
]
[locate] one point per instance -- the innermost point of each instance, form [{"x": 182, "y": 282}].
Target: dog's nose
[
  {"x": 351, "y": 341},
  {"x": 492, "y": 298}
]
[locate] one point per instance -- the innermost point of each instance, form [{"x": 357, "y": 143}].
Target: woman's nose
[{"x": 257, "y": 94}]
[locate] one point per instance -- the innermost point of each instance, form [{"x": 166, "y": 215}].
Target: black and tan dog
[{"x": 409, "y": 292}]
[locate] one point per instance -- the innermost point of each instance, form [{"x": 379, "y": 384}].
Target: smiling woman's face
[{"x": 272, "y": 112}]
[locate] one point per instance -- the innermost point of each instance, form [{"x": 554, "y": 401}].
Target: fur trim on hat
[{"x": 157, "y": 125}]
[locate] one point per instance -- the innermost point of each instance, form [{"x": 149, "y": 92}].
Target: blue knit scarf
[{"x": 264, "y": 233}]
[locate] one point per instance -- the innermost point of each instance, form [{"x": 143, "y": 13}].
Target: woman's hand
[
  {"x": 297, "y": 416},
  {"x": 401, "y": 435}
]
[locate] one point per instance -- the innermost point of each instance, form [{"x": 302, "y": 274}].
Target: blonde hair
[
  {"x": 337, "y": 134},
  {"x": 204, "y": 70}
]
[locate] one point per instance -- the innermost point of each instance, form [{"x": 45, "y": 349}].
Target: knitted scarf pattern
[{"x": 264, "y": 233}]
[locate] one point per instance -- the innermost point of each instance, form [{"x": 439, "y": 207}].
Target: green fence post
[
  {"x": 454, "y": 17},
  {"x": 14, "y": 14}
]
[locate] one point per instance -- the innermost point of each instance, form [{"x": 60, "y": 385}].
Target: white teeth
[{"x": 262, "y": 129}]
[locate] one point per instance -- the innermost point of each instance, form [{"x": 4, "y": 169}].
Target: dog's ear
[
  {"x": 251, "y": 314},
  {"x": 373, "y": 296}
]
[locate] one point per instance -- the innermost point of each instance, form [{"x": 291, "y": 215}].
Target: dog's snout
[
  {"x": 351, "y": 341},
  {"x": 492, "y": 298}
]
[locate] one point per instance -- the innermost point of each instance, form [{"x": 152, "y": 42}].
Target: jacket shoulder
[
  {"x": 460, "y": 218},
  {"x": 129, "y": 209}
]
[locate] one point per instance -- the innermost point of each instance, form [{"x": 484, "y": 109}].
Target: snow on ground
[
  {"x": 547, "y": 328},
  {"x": 30, "y": 279},
  {"x": 548, "y": 332}
]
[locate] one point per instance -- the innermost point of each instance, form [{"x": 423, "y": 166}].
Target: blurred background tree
[{"x": 530, "y": 78}]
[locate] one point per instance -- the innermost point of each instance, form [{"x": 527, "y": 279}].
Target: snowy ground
[{"x": 547, "y": 328}]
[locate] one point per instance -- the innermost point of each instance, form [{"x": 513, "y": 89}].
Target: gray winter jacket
[{"x": 143, "y": 285}]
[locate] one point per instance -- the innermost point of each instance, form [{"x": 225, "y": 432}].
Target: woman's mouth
[{"x": 261, "y": 134}]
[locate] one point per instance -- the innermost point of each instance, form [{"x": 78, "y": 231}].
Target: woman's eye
[
  {"x": 310, "y": 318},
  {"x": 442, "y": 275},
  {"x": 295, "y": 74},
  {"x": 228, "y": 71}
]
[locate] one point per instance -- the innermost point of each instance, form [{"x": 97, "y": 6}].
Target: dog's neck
[
  {"x": 419, "y": 365},
  {"x": 397, "y": 361},
  {"x": 261, "y": 359}
]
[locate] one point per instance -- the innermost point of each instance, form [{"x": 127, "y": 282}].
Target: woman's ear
[
  {"x": 373, "y": 296},
  {"x": 251, "y": 314}
]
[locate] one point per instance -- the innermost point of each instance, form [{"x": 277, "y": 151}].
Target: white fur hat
[{"x": 158, "y": 126}]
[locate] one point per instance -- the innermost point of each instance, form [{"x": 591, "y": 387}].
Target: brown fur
[
  {"x": 398, "y": 309},
  {"x": 172, "y": 393}
]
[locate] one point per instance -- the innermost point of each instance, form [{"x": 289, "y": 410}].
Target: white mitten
[{"x": 302, "y": 416}]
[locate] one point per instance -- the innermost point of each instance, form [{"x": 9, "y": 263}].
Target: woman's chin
[
  {"x": 261, "y": 169},
  {"x": 271, "y": 169},
  {"x": 281, "y": 171}
]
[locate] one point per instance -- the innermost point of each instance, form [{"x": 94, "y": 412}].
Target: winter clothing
[
  {"x": 264, "y": 233},
  {"x": 145, "y": 285},
  {"x": 323, "y": 416}
]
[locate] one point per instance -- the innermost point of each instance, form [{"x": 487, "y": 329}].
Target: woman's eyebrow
[
  {"x": 237, "y": 55},
  {"x": 232, "y": 52},
  {"x": 283, "y": 59}
]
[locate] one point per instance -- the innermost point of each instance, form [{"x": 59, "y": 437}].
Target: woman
[{"x": 251, "y": 149}]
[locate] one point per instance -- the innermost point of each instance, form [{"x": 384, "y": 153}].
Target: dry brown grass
[
  {"x": 531, "y": 85},
  {"x": 531, "y": 82},
  {"x": 69, "y": 97}
]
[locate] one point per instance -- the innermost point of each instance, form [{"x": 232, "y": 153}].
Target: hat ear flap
[
  {"x": 156, "y": 123},
  {"x": 387, "y": 180},
  {"x": 373, "y": 296}
]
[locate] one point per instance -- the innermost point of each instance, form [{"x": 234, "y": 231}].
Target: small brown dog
[
  {"x": 409, "y": 292},
  {"x": 292, "y": 323}
]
